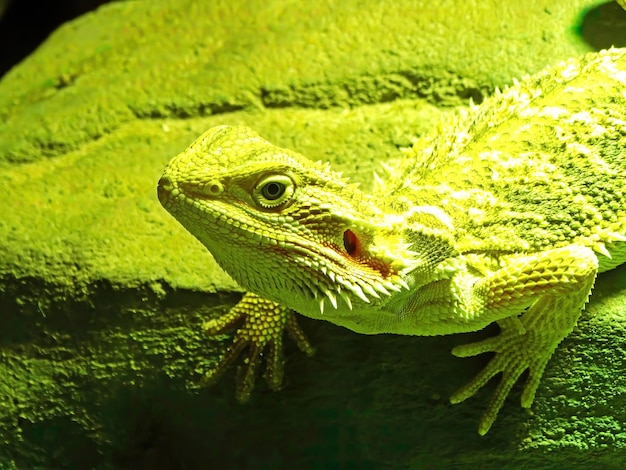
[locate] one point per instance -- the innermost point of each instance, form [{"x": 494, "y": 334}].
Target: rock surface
[{"x": 103, "y": 294}]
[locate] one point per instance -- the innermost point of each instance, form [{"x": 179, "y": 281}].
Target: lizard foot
[
  {"x": 262, "y": 323},
  {"x": 516, "y": 349}
]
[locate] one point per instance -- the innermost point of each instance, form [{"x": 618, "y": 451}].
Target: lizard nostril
[{"x": 163, "y": 189}]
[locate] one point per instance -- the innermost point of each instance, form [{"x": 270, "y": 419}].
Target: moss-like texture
[{"x": 103, "y": 294}]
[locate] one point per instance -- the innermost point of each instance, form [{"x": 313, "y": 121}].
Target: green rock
[{"x": 103, "y": 294}]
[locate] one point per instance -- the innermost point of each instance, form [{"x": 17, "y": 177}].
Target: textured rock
[{"x": 103, "y": 294}]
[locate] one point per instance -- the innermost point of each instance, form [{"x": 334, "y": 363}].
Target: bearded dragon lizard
[{"x": 506, "y": 215}]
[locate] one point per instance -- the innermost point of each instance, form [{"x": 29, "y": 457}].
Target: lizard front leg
[
  {"x": 536, "y": 300},
  {"x": 557, "y": 283},
  {"x": 262, "y": 324}
]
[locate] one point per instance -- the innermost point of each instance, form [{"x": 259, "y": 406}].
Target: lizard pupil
[
  {"x": 272, "y": 191},
  {"x": 350, "y": 242}
]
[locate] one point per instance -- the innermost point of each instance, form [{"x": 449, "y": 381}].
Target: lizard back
[{"x": 543, "y": 164}]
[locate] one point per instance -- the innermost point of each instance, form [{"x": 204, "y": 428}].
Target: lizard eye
[{"x": 273, "y": 190}]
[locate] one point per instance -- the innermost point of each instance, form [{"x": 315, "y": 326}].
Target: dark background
[{"x": 27, "y": 23}]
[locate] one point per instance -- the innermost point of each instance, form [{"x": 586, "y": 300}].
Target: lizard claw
[
  {"x": 516, "y": 350},
  {"x": 262, "y": 323}
]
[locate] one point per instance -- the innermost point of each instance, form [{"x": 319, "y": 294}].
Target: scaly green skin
[{"x": 505, "y": 215}]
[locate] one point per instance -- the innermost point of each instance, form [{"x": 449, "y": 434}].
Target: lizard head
[{"x": 284, "y": 227}]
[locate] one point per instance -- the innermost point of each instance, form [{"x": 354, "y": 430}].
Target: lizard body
[{"x": 504, "y": 215}]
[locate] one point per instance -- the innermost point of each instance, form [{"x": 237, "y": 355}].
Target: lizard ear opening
[{"x": 351, "y": 243}]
